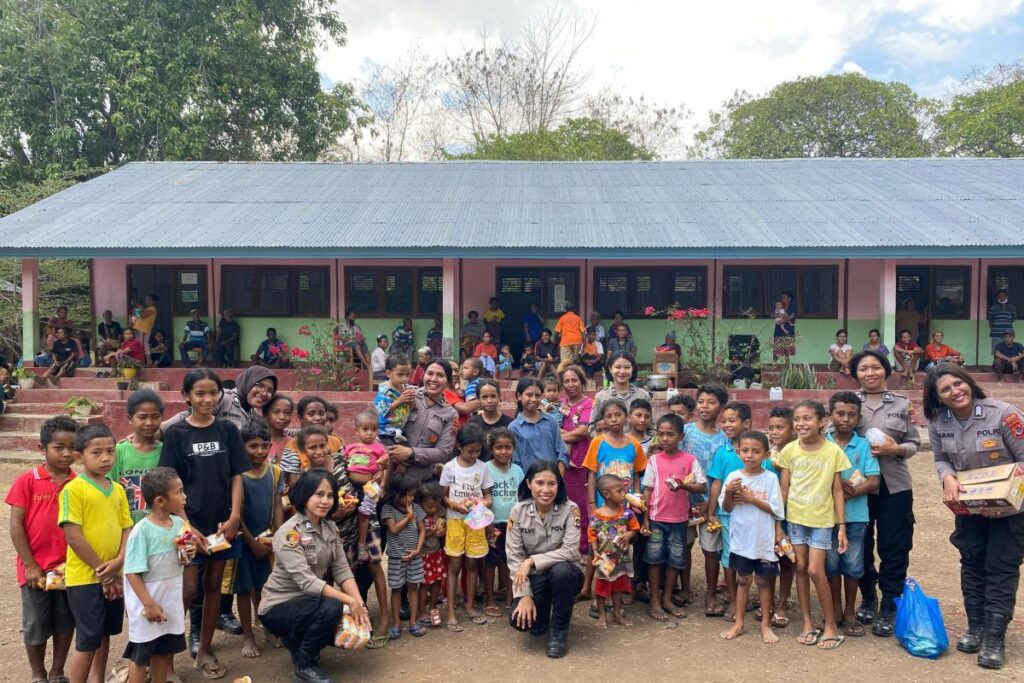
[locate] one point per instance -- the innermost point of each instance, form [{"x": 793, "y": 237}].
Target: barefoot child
[
  {"x": 140, "y": 452},
  {"x": 702, "y": 438},
  {"x": 94, "y": 517},
  {"x": 153, "y": 573},
  {"x": 671, "y": 476},
  {"x": 262, "y": 514},
  {"x": 812, "y": 490},
  {"x": 506, "y": 476},
  {"x": 435, "y": 563},
  {"x": 406, "y": 535},
  {"x": 278, "y": 414},
  {"x": 613, "y": 527},
  {"x": 34, "y": 499},
  {"x": 780, "y": 433},
  {"x": 465, "y": 481},
  {"x": 735, "y": 421},
  {"x": 844, "y": 571},
  {"x": 753, "y": 501}
]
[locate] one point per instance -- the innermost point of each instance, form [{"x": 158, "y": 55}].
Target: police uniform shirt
[
  {"x": 992, "y": 435},
  {"x": 892, "y": 416},
  {"x": 429, "y": 434},
  {"x": 547, "y": 541}
]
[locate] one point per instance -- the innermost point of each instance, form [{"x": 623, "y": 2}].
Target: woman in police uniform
[
  {"x": 891, "y": 510},
  {"x": 969, "y": 431},
  {"x": 543, "y": 548},
  {"x": 298, "y": 605}
]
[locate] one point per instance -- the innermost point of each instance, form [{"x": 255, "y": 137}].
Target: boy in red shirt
[{"x": 34, "y": 498}]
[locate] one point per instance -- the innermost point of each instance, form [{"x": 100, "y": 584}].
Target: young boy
[
  {"x": 65, "y": 356},
  {"x": 330, "y": 417},
  {"x": 682, "y": 405},
  {"x": 591, "y": 355},
  {"x": 394, "y": 399},
  {"x": 153, "y": 569},
  {"x": 780, "y": 433},
  {"x": 671, "y": 476},
  {"x": 844, "y": 571},
  {"x": 262, "y": 514},
  {"x": 140, "y": 452},
  {"x": 41, "y": 547},
  {"x": 702, "y": 438},
  {"x": 550, "y": 405},
  {"x": 96, "y": 523},
  {"x": 612, "y": 529},
  {"x": 269, "y": 353},
  {"x": 753, "y": 500},
  {"x": 640, "y": 429},
  {"x": 735, "y": 420}
]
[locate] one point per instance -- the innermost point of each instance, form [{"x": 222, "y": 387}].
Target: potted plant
[
  {"x": 129, "y": 367},
  {"x": 25, "y": 377},
  {"x": 80, "y": 406}
]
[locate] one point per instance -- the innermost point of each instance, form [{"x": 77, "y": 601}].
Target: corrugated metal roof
[{"x": 797, "y": 208}]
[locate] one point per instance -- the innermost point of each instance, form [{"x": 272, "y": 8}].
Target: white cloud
[
  {"x": 920, "y": 47},
  {"x": 852, "y": 68},
  {"x": 960, "y": 15}
]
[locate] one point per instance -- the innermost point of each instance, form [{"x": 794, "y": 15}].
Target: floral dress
[{"x": 576, "y": 474}]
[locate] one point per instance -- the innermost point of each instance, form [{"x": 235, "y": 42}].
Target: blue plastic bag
[{"x": 919, "y": 626}]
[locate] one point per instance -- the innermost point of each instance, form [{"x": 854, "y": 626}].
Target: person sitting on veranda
[
  {"x": 269, "y": 354},
  {"x": 196, "y": 336},
  {"x": 907, "y": 355},
  {"x": 108, "y": 336},
  {"x": 840, "y": 354},
  {"x": 937, "y": 353},
  {"x": 472, "y": 333},
  {"x": 1008, "y": 357},
  {"x": 228, "y": 334},
  {"x": 130, "y": 348}
]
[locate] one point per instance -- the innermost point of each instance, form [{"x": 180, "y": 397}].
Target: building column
[
  {"x": 887, "y": 303},
  {"x": 29, "y": 309},
  {"x": 450, "y": 314}
]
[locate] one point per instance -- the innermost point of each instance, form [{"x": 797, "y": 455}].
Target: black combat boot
[
  {"x": 970, "y": 641},
  {"x": 993, "y": 641},
  {"x": 557, "y": 645}
]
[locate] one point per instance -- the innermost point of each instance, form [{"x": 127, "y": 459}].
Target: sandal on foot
[
  {"x": 210, "y": 669},
  {"x": 377, "y": 642},
  {"x": 417, "y": 630},
  {"x": 455, "y": 627},
  {"x": 424, "y": 620},
  {"x": 731, "y": 618},
  {"x": 677, "y": 613},
  {"x": 435, "y": 617},
  {"x": 657, "y": 614},
  {"x": 394, "y": 633},
  {"x": 856, "y": 629},
  {"x": 594, "y": 612},
  {"x": 714, "y": 612},
  {"x": 838, "y": 640},
  {"x": 779, "y": 621},
  {"x": 493, "y": 611},
  {"x": 477, "y": 618},
  {"x": 809, "y": 637}
]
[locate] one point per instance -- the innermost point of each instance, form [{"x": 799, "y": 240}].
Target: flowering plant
[
  {"x": 677, "y": 312},
  {"x": 320, "y": 366}
]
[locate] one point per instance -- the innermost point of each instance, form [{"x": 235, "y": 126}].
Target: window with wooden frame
[
  {"x": 631, "y": 290},
  {"x": 943, "y": 291},
  {"x": 1010, "y": 278},
  {"x": 754, "y": 290},
  {"x": 276, "y": 291},
  {"x": 393, "y": 292}
]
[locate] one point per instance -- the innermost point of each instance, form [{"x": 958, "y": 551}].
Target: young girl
[
  {"x": 312, "y": 411},
  {"x": 752, "y": 501},
  {"x": 537, "y": 438},
  {"x": 435, "y": 564},
  {"x": 546, "y": 354},
  {"x": 490, "y": 416},
  {"x": 506, "y": 477},
  {"x": 550, "y": 402},
  {"x": 314, "y": 442},
  {"x": 812, "y": 490},
  {"x": 528, "y": 362},
  {"x": 486, "y": 353},
  {"x": 209, "y": 457},
  {"x": 780, "y": 433},
  {"x": 465, "y": 481},
  {"x": 612, "y": 528},
  {"x": 505, "y": 359},
  {"x": 278, "y": 414},
  {"x": 406, "y": 534}
]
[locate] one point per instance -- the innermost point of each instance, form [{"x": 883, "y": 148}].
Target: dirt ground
[{"x": 689, "y": 649}]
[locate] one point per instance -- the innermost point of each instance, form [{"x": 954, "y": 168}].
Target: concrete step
[
  {"x": 20, "y": 422},
  {"x": 18, "y": 441},
  {"x": 21, "y": 408},
  {"x": 77, "y": 382},
  {"x": 60, "y": 395}
]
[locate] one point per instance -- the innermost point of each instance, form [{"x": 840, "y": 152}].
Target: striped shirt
[{"x": 1001, "y": 318}]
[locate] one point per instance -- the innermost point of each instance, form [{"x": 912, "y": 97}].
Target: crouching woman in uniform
[
  {"x": 543, "y": 548},
  {"x": 298, "y": 605},
  {"x": 969, "y": 431}
]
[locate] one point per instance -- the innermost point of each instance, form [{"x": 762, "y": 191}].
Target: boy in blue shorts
[
  {"x": 94, "y": 516},
  {"x": 860, "y": 479}
]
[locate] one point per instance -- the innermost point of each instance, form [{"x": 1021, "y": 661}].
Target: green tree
[
  {"x": 96, "y": 83},
  {"x": 988, "y": 122},
  {"x": 574, "y": 140},
  {"x": 825, "y": 116}
]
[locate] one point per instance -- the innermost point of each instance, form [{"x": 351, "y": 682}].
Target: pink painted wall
[{"x": 110, "y": 282}]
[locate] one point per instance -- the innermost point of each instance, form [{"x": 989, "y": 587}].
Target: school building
[{"x": 287, "y": 244}]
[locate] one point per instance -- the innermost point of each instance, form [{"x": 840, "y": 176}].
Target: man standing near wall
[{"x": 1001, "y": 316}]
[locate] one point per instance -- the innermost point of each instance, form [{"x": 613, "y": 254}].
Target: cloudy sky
[{"x": 698, "y": 52}]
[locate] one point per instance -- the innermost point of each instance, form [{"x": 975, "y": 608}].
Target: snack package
[
  {"x": 691, "y": 478},
  {"x": 673, "y": 483},
  {"x": 349, "y": 636},
  {"x": 479, "y": 517},
  {"x": 285, "y": 501},
  {"x": 714, "y": 526},
  {"x": 636, "y": 502},
  {"x": 786, "y": 548},
  {"x": 216, "y": 542},
  {"x": 55, "y": 578},
  {"x": 266, "y": 538},
  {"x": 876, "y": 437},
  {"x": 856, "y": 479},
  {"x": 185, "y": 538},
  {"x": 349, "y": 499},
  {"x": 371, "y": 490}
]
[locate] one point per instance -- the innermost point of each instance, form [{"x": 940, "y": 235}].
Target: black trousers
[
  {"x": 891, "y": 530},
  {"x": 991, "y": 552},
  {"x": 554, "y": 594},
  {"x": 306, "y": 625}
]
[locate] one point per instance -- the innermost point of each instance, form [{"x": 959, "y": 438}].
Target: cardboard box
[{"x": 999, "y": 489}]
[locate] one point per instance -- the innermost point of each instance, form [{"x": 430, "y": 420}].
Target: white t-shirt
[
  {"x": 751, "y": 529},
  {"x": 378, "y": 359},
  {"x": 152, "y": 553},
  {"x": 465, "y": 482},
  {"x": 836, "y": 348}
]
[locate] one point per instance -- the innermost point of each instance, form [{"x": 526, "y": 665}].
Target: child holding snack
[
  {"x": 262, "y": 514},
  {"x": 278, "y": 413},
  {"x": 406, "y": 536},
  {"x": 812, "y": 490},
  {"x": 208, "y": 454},
  {"x": 34, "y": 499},
  {"x": 94, "y": 517},
  {"x": 140, "y": 452},
  {"x": 861, "y": 478},
  {"x": 780, "y": 433},
  {"x": 613, "y": 527},
  {"x": 752, "y": 499},
  {"x": 435, "y": 563},
  {"x": 153, "y": 572},
  {"x": 669, "y": 479},
  {"x": 465, "y": 482},
  {"x": 506, "y": 476},
  {"x": 394, "y": 399}
]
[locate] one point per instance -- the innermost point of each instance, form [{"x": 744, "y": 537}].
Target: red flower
[
  {"x": 304, "y": 331},
  {"x": 649, "y": 311},
  {"x": 679, "y": 314}
]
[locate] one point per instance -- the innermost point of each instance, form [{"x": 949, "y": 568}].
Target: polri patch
[
  {"x": 1014, "y": 423},
  {"x": 291, "y": 538}
]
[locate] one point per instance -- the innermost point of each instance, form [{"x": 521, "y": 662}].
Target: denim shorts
[
  {"x": 850, "y": 564},
  {"x": 744, "y": 566},
  {"x": 667, "y": 544},
  {"x": 726, "y": 551},
  {"x": 818, "y": 538}
]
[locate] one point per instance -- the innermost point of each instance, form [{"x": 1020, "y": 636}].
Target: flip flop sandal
[
  {"x": 395, "y": 633},
  {"x": 779, "y": 621},
  {"x": 643, "y": 594},
  {"x": 809, "y": 638},
  {"x": 714, "y": 613},
  {"x": 677, "y": 613},
  {"x": 731, "y": 618},
  {"x": 424, "y": 621},
  {"x": 435, "y": 617},
  {"x": 477, "y": 618},
  {"x": 417, "y": 630},
  {"x": 758, "y": 613},
  {"x": 211, "y": 670},
  {"x": 838, "y": 640},
  {"x": 594, "y": 612},
  {"x": 455, "y": 627},
  {"x": 493, "y": 611},
  {"x": 855, "y": 629},
  {"x": 657, "y": 614},
  {"x": 377, "y": 642},
  {"x": 681, "y": 599}
]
